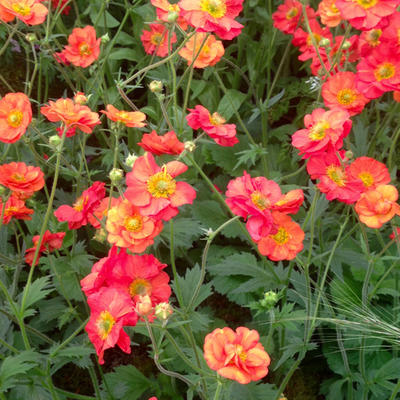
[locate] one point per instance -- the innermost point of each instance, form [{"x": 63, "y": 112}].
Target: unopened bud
[
  {"x": 324, "y": 42},
  {"x": 270, "y": 299},
  {"x": 31, "y": 37},
  {"x": 156, "y": 86},
  {"x": 143, "y": 305},
  {"x": 100, "y": 235},
  {"x": 163, "y": 311},
  {"x": 190, "y": 146},
  {"x": 116, "y": 175},
  {"x": 105, "y": 38},
  {"x": 349, "y": 154},
  {"x": 346, "y": 45},
  {"x": 130, "y": 160},
  {"x": 55, "y": 140},
  {"x": 80, "y": 98},
  {"x": 172, "y": 16},
  {"x": 3, "y": 191}
]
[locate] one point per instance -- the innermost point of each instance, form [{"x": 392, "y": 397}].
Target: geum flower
[
  {"x": 154, "y": 190},
  {"x": 202, "y": 51},
  {"x": 325, "y": 131},
  {"x": 31, "y": 12},
  {"x": 155, "y": 41},
  {"x": 15, "y": 116},
  {"x": 378, "y": 206},
  {"x": 128, "y": 228},
  {"x": 21, "y": 178},
  {"x": 166, "y": 10},
  {"x": 78, "y": 214},
  {"x": 216, "y": 16},
  {"x": 110, "y": 311},
  {"x": 83, "y": 47},
  {"x": 329, "y": 13},
  {"x": 131, "y": 119},
  {"x": 50, "y": 242},
  {"x": 71, "y": 114},
  {"x": 236, "y": 355},
  {"x": 100, "y": 211},
  {"x": 161, "y": 144},
  {"x": 15, "y": 208},
  {"x": 213, "y": 125}
]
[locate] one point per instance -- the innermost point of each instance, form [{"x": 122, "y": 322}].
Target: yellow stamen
[
  {"x": 21, "y": 9},
  {"x": 216, "y": 119},
  {"x": 367, "y": 3},
  {"x": 346, "y": 96},
  {"x": 14, "y": 118},
  {"x": 337, "y": 175},
  {"x": 281, "y": 237},
  {"x": 84, "y": 49},
  {"x": 366, "y": 178},
  {"x": 216, "y": 8},
  {"x": 161, "y": 184},
  {"x": 140, "y": 287},
  {"x": 104, "y": 323},
  {"x": 318, "y": 131},
  {"x": 133, "y": 223}
]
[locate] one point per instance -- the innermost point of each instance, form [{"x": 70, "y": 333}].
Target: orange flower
[
  {"x": 127, "y": 227},
  {"x": 156, "y": 40},
  {"x": 236, "y": 355},
  {"x": 329, "y": 13},
  {"x": 15, "y": 208},
  {"x": 211, "y": 51},
  {"x": 167, "y": 144},
  {"x": 71, "y": 114},
  {"x": 19, "y": 177},
  {"x": 286, "y": 242},
  {"x": 378, "y": 206},
  {"x": 131, "y": 119},
  {"x": 83, "y": 48},
  {"x": 164, "y": 10},
  {"x": 29, "y": 11},
  {"x": 101, "y": 211},
  {"x": 15, "y": 116}
]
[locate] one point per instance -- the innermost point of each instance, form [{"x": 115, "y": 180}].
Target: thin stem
[{"x": 173, "y": 265}]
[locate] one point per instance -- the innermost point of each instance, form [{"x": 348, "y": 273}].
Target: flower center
[
  {"x": 216, "y": 119},
  {"x": 161, "y": 184},
  {"x": 260, "y": 201},
  {"x": 346, "y": 96},
  {"x": 216, "y": 8},
  {"x": 367, "y": 3},
  {"x": 133, "y": 223},
  {"x": 366, "y": 178},
  {"x": 292, "y": 13},
  {"x": 80, "y": 203},
  {"x": 337, "y": 175},
  {"x": 318, "y": 131},
  {"x": 281, "y": 237},
  {"x": 14, "y": 119},
  {"x": 84, "y": 49},
  {"x": 241, "y": 353},
  {"x": 122, "y": 115},
  {"x": 334, "y": 9},
  {"x": 317, "y": 39},
  {"x": 156, "y": 39},
  {"x": 104, "y": 323},
  {"x": 18, "y": 177},
  {"x": 21, "y": 9},
  {"x": 373, "y": 37},
  {"x": 385, "y": 71},
  {"x": 173, "y": 8},
  {"x": 140, "y": 287}
]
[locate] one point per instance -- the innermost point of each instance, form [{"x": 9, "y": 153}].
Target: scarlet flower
[
  {"x": 340, "y": 91},
  {"x": 71, "y": 114},
  {"x": 285, "y": 242},
  {"x": 366, "y": 14},
  {"x": 216, "y": 16},
  {"x": 202, "y": 55},
  {"x": 236, "y": 355},
  {"x": 128, "y": 228},
  {"x": 78, "y": 215},
  {"x": 371, "y": 172},
  {"x": 19, "y": 177},
  {"x": 60, "y": 4},
  {"x": 377, "y": 206},
  {"x": 131, "y": 119},
  {"x": 324, "y": 131},
  {"x": 329, "y": 13},
  {"x": 31, "y": 12},
  {"x": 110, "y": 311},
  {"x": 154, "y": 190},
  {"x": 379, "y": 72},
  {"x": 334, "y": 179},
  {"x": 369, "y": 40},
  {"x": 212, "y": 124},
  {"x": 83, "y": 48},
  {"x": 157, "y": 145},
  {"x": 15, "y": 208},
  {"x": 288, "y": 16},
  {"x": 395, "y": 235},
  {"x": 50, "y": 242},
  {"x": 165, "y": 9},
  {"x": 290, "y": 202},
  {"x": 155, "y": 41},
  {"x": 101, "y": 211},
  {"x": 15, "y": 116}
]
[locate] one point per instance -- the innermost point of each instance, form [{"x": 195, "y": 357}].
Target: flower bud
[
  {"x": 80, "y": 98},
  {"x": 3, "y": 191},
  {"x": 324, "y": 42},
  {"x": 172, "y": 16},
  {"x": 54, "y": 140},
  {"x": 270, "y": 299},
  {"x": 349, "y": 154},
  {"x": 156, "y": 86},
  {"x": 163, "y": 311},
  {"x": 105, "y": 38},
  {"x": 130, "y": 160},
  {"x": 346, "y": 45},
  {"x": 143, "y": 305},
  {"x": 116, "y": 175},
  {"x": 31, "y": 37},
  {"x": 100, "y": 235},
  {"x": 190, "y": 146}
]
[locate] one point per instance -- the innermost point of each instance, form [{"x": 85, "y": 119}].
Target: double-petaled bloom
[
  {"x": 31, "y": 12},
  {"x": 161, "y": 144},
  {"x": 21, "y": 178},
  {"x": 131, "y": 119},
  {"x": 156, "y": 40}
]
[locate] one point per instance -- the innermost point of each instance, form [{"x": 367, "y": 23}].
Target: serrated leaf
[
  {"x": 230, "y": 103},
  {"x": 252, "y": 391},
  {"x": 38, "y": 290},
  {"x": 125, "y": 54},
  {"x": 186, "y": 230}
]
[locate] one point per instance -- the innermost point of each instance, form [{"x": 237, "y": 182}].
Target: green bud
[
  {"x": 346, "y": 45},
  {"x": 3, "y": 191},
  {"x": 270, "y": 299},
  {"x": 324, "y": 42},
  {"x": 31, "y": 37},
  {"x": 349, "y": 154},
  {"x": 172, "y": 16},
  {"x": 105, "y": 38},
  {"x": 54, "y": 140},
  {"x": 116, "y": 175},
  {"x": 190, "y": 146},
  {"x": 156, "y": 86},
  {"x": 130, "y": 160}
]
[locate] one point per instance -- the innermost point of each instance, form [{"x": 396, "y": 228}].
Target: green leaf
[
  {"x": 388, "y": 371},
  {"x": 186, "y": 231},
  {"x": 252, "y": 391},
  {"x": 230, "y": 103},
  {"x": 125, "y": 54},
  {"x": 38, "y": 290}
]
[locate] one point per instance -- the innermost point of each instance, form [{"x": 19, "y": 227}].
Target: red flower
[
  {"x": 78, "y": 215},
  {"x": 83, "y": 48},
  {"x": 285, "y": 242},
  {"x": 131, "y": 119},
  {"x": 214, "y": 125},
  {"x": 166, "y": 144},
  {"x": 164, "y": 9},
  {"x": 31, "y": 12},
  {"x": 110, "y": 311},
  {"x": 15, "y": 208},
  {"x": 50, "y": 242},
  {"x": 154, "y": 190},
  {"x": 101, "y": 211},
  {"x": 60, "y": 4},
  {"x": 72, "y": 115},
  {"x": 236, "y": 355},
  {"x": 15, "y": 116},
  {"x": 156, "y": 40},
  {"x": 19, "y": 177}
]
